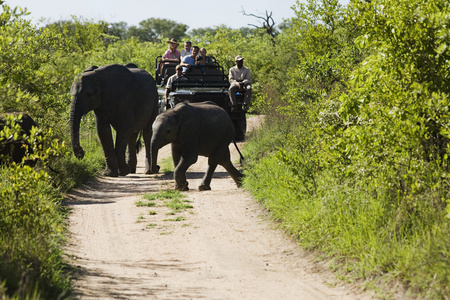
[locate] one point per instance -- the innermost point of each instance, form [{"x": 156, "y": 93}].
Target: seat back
[{"x": 167, "y": 70}]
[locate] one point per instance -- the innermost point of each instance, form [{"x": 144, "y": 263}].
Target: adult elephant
[
  {"x": 195, "y": 129},
  {"x": 15, "y": 149},
  {"x": 124, "y": 97}
]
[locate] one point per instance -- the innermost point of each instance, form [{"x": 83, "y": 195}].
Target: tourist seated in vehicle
[
  {"x": 172, "y": 54},
  {"x": 240, "y": 81},
  {"x": 190, "y": 61},
  {"x": 203, "y": 59},
  {"x": 187, "y": 49},
  {"x": 176, "y": 77}
]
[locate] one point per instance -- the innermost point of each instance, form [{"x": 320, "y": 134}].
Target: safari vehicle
[{"x": 204, "y": 83}]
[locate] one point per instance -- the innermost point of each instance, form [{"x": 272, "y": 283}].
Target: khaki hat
[
  {"x": 238, "y": 58},
  {"x": 172, "y": 41}
]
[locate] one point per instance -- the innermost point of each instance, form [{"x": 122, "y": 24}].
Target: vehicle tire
[
  {"x": 240, "y": 125},
  {"x": 161, "y": 105}
]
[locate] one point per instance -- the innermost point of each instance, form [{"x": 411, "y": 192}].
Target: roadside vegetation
[{"x": 352, "y": 159}]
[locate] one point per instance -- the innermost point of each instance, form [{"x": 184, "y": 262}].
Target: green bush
[
  {"x": 357, "y": 225},
  {"x": 31, "y": 232},
  {"x": 361, "y": 172}
]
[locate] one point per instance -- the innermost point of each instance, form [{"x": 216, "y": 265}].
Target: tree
[
  {"x": 154, "y": 29},
  {"x": 268, "y": 24},
  {"x": 83, "y": 35},
  {"x": 10, "y": 14},
  {"x": 200, "y": 32},
  {"x": 119, "y": 29}
]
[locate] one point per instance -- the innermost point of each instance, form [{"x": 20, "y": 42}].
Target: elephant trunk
[
  {"x": 154, "y": 148},
  {"x": 75, "y": 118}
]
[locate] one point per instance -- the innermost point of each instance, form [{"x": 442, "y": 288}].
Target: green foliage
[
  {"x": 153, "y": 29},
  {"x": 70, "y": 172},
  {"x": 23, "y": 51},
  {"x": 37, "y": 68},
  {"x": 81, "y": 36},
  {"x": 207, "y": 31},
  {"x": 353, "y": 157},
  {"x": 259, "y": 56},
  {"x": 32, "y": 229},
  {"x": 11, "y": 14},
  {"x": 361, "y": 173},
  {"x": 370, "y": 237},
  {"x": 131, "y": 50}
]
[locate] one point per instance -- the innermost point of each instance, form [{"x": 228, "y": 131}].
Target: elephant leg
[
  {"x": 225, "y": 161},
  {"x": 234, "y": 173},
  {"x": 176, "y": 155},
  {"x": 181, "y": 183},
  {"x": 147, "y": 135},
  {"x": 131, "y": 158},
  {"x": 122, "y": 139},
  {"x": 206, "y": 181},
  {"x": 105, "y": 135}
]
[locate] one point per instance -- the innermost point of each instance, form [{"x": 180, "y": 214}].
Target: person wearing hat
[
  {"x": 240, "y": 81},
  {"x": 172, "y": 53}
]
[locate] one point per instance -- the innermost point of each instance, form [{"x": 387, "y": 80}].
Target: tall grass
[
  {"x": 361, "y": 228},
  {"x": 32, "y": 230},
  {"x": 72, "y": 172},
  {"x": 33, "y": 223}
]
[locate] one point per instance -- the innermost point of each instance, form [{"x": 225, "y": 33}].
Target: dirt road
[{"x": 224, "y": 247}]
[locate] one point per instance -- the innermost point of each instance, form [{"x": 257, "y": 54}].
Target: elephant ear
[
  {"x": 188, "y": 120},
  {"x": 117, "y": 83},
  {"x": 131, "y": 66},
  {"x": 91, "y": 68}
]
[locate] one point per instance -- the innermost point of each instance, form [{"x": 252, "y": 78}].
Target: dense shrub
[
  {"x": 32, "y": 229},
  {"x": 362, "y": 173},
  {"x": 353, "y": 158}
]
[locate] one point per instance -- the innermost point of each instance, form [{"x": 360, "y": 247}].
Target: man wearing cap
[
  {"x": 240, "y": 80},
  {"x": 172, "y": 53},
  {"x": 177, "y": 76}
]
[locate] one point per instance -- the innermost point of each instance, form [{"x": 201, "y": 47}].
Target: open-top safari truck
[{"x": 203, "y": 83}]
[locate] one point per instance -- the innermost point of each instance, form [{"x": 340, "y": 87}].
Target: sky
[{"x": 195, "y": 14}]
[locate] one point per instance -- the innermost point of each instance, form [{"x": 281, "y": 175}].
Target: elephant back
[
  {"x": 145, "y": 90},
  {"x": 209, "y": 119},
  {"x": 117, "y": 81}
]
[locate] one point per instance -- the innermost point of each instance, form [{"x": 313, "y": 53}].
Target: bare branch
[{"x": 267, "y": 22}]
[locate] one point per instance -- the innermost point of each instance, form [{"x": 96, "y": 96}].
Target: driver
[{"x": 240, "y": 81}]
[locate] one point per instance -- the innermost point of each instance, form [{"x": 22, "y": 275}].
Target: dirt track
[{"x": 223, "y": 248}]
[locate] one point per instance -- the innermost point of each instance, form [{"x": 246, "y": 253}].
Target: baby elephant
[
  {"x": 195, "y": 129},
  {"x": 12, "y": 149}
]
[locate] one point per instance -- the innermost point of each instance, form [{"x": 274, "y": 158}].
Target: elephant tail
[
  {"x": 139, "y": 143},
  {"x": 240, "y": 154}
]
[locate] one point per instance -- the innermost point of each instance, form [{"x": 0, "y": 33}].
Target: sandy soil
[{"x": 225, "y": 247}]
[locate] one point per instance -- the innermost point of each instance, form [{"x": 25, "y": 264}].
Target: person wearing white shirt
[{"x": 187, "y": 49}]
